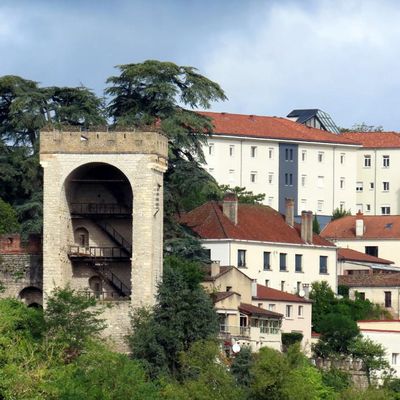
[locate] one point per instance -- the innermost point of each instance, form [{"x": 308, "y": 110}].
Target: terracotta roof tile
[
  {"x": 257, "y": 311},
  {"x": 353, "y": 255},
  {"x": 266, "y": 293},
  {"x": 218, "y": 296},
  {"x": 255, "y": 222},
  {"x": 270, "y": 128},
  {"x": 370, "y": 280},
  {"x": 374, "y": 139},
  {"x": 375, "y": 227}
]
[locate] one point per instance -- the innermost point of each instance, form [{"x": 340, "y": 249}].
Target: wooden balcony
[
  {"x": 99, "y": 209},
  {"x": 91, "y": 253}
]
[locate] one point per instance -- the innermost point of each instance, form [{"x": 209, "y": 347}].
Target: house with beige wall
[
  {"x": 265, "y": 245},
  {"x": 283, "y": 158},
  {"x": 376, "y": 235}
]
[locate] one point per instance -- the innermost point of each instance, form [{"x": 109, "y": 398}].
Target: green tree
[
  {"x": 372, "y": 355},
  {"x": 8, "y": 218},
  {"x": 241, "y": 366},
  {"x": 244, "y": 196},
  {"x": 72, "y": 319},
  {"x": 183, "y": 315},
  {"x": 363, "y": 127},
  {"x": 323, "y": 297},
  {"x": 315, "y": 226},
  {"x": 339, "y": 213}
]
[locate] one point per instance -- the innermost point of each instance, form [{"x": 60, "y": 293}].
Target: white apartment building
[
  {"x": 378, "y": 179},
  {"x": 257, "y": 239},
  {"x": 283, "y": 159}
]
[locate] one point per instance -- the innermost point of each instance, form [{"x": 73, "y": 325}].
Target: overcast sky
[{"x": 270, "y": 57}]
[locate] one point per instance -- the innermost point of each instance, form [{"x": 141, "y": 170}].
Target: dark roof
[
  {"x": 353, "y": 255},
  {"x": 324, "y": 118},
  {"x": 271, "y": 128},
  {"x": 303, "y": 115},
  {"x": 267, "y": 293},
  {"x": 249, "y": 309},
  {"x": 218, "y": 296},
  {"x": 375, "y": 227},
  {"x": 255, "y": 222},
  {"x": 209, "y": 278},
  {"x": 370, "y": 280}
]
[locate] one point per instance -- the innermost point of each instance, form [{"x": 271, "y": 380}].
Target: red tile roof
[
  {"x": 353, "y": 255},
  {"x": 374, "y": 139},
  {"x": 255, "y": 222},
  {"x": 266, "y": 293},
  {"x": 270, "y": 128},
  {"x": 375, "y": 227},
  {"x": 370, "y": 280},
  {"x": 249, "y": 309}
]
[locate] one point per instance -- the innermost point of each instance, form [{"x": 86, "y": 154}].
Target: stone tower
[{"x": 103, "y": 216}]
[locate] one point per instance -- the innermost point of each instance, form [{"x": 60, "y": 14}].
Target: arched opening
[
  {"x": 32, "y": 296},
  {"x": 99, "y": 228}
]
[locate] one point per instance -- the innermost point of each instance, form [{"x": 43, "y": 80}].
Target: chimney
[
  {"x": 307, "y": 226},
  {"x": 215, "y": 268},
  {"x": 359, "y": 224},
  {"x": 254, "y": 288},
  {"x": 230, "y": 207},
  {"x": 289, "y": 211}
]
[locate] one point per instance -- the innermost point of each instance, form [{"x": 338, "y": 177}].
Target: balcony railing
[
  {"x": 234, "y": 330},
  {"x": 96, "y": 252},
  {"x": 99, "y": 209},
  {"x": 268, "y": 330},
  {"x": 103, "y": 295}
]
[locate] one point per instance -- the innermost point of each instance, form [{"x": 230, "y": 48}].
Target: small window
[
  {"x": 210, "y": 170},
  {"x": 282, "y": 261},
  {"x": 282, "y": 286},
  {"x": 288, "y": 313},
  {"x": 288, "y": 154},
  {"x": 228, "y": 288},
  {"x": 320, "y": 156},
  {"x": 300, "y": 311},
  {"x": 323, "y": 264},
  {"x": 385, "y": 161},
  {"x": 270, "y": 178},
  {"x": 303, "y": 180},
  {"x": 253, "y": 176},
  {"x": 395, "y": 358},
  {"x": 320, "y": 205},
  {"x": 211, "y": 149},
  {"x": 267, "y": 260},
  {"x": 270, "y": 153},
  {"x": 241, "y": 258},
  {"x": 361, "y": 295},
  {"x": 270, "y": 201},
  {"x": 320, "y": 182},
  {"x": 288, "y": 179},
  {"x": 267, "y": 282},
  {"x": 303, "y": 203},
  {"x": 304, "y": 155},
  {"x": 253, "y": 151},
  {"x": 385, "y": 210},
  {"x": 342, "y": 205},
  {"x": 367, "y": 161},
  {"x": 271, "y": 307},
  {"x": 388, "y": 299},
  {"x": 231, "y": 150},
  {"x": 342, "y": 158},
  {"x": 298, "y": 262},
  {"x": 368, "y": 207},
  {"x": 341, "y": 183},
  {"x": 298, "y": 287},
  {"x": 231, "y": 175},
  {"x": 359, "y": 186},
  {"x": 371, "y": 250},
  {"x": 371, "y": 185},
  {"x": 385, "y": 186}
]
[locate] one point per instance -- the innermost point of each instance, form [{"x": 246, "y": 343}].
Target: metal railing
[
  {"x": 99, "y": 208},
  {"x": 103, "y": 295},
  {"x": 97, "y": 252},
  {"x": 115, "y": 235},
  {"x": 114, "y": 281},
  {"x": 234, "y": 330},
  {"x": 269, "y": 330}
]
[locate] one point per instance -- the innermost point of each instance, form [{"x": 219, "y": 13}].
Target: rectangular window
[
  {"x": 320, "y": 205},
  {"x": 288, "y": 313},
  {"x": 231, "y": 150},
  {"x": 270, "y": 153},
  {"x": 361, "y": 295},
  {"x": 371, "y": 250},
  {"x": 241, "y": 258},
  {"x": 298, "y": 262},
  {"x": 282, "y": 286},
  {"x": 298, "y": 287},
  {"x": 388, "y": 299},
  {"x": 341, "y": 183},
  {"x": 320, "y": 156},
  {"x": 395, "y": 357},
  {"x": 303, "y": 180},
  {"x": 359, "y": 186},
  {"x": 367, "y": 161},
  {"x": 385, "y": 186},
  {"x": 359, "y": 207},
  {"x": 231, "y": 175},
  {"x": 211, "y": 149},
  {"x": 288, "y": 154},
  {"x": 385, "y": 210},
  {"x": 282, "y": 261},
  {"x": 270, "y": 201},
  {"x": 342, "y": 158},
  {"x": 253, "y": 151},
  {"x": 342, "y": 205},
  {"x": 267, "y": 282},
  {"x": 320, "y": 182},
  {"x": 253, "y": 176},
  {"x": 323, "y": 264},
  {"x": 303, "y": 155},
  {"x": 368, "y": 207},
  {"x": 385, "y": 161},
  {"x": 267, "y": 260},
  {"x": 371, "y": 185},
  {"x": 303, "y": 204},
  {"x": 270, "y": 178},
  {"x": 300, "y": 311},
  {"x": 271, "y": 307},
  {"x": 288, "y": 179}
]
